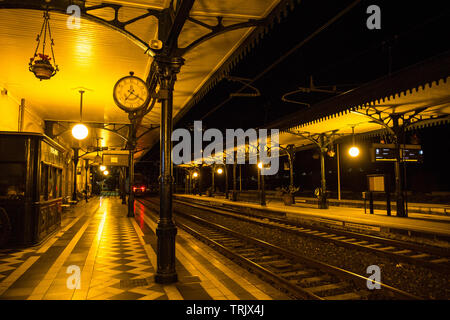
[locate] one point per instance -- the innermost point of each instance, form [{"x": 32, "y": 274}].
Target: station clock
[{"x": 131, "y": 93}]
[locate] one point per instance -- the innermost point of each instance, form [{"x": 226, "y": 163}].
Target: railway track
[
  {"x": 298, "y": 275},
  {"x": 435, "y": 258}
]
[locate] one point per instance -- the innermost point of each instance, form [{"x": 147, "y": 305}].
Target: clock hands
[{"x": 131, "y": 91}]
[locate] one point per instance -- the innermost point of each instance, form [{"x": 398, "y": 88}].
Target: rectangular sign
[
  {"x": 115, "y": 159},
  {"x": 387, "y": 152},
  {"x": 376, "y": 183}
]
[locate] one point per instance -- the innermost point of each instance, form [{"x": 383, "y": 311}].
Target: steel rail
[
  {"x": 293, "y": 288},
  {"x": 352, "y": 239}
]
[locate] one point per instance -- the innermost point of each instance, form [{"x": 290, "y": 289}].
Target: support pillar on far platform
[
  {"x": 323, "y": 202},
  {"x": 226, "y": 181},
  {"x": 399, "y": 173},
  {"x": 213, "y": 186},
  {"x": 234, "y": 194}
]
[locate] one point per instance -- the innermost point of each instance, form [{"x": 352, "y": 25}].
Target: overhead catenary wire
[{"x": 287, "y": 54}]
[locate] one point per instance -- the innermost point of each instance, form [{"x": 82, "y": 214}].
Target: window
[
  {"x": 44, "y": 178},
  {"x": 12, "y": 180}
]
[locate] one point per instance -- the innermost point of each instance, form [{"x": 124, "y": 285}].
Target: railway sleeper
[
  {"x": 267, "y": 258},
  {"x": 315, "y": 280},
  {"x": 233, "y": 244},
  {"x": 330, "y": 289},
  {"x": 247, "y": 250},
  {"x": 293, "y": 275},
  {"x": 440, "y": 260},
  {"x": 347, "y": 296},
  {"x": 281, "y": 264}
]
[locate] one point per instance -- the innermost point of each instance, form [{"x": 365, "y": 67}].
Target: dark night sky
[{"x": 345, "y": 54}]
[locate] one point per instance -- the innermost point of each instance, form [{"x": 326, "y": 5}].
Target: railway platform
[
  {"x": 426, "y": 226},
  {"x": 115, "y": 259}
]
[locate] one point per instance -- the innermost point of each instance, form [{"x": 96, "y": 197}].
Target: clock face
[{"x": 131, "y": 93}]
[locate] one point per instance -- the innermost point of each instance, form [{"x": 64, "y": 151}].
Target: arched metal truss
[
  {"x": 61, "y": 6},
  {"x": 88, "y": 12}
]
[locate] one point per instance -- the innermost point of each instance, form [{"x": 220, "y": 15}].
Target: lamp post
[
  {"x": 323, "y": 203},
  {"x": 262, "y": 191}
]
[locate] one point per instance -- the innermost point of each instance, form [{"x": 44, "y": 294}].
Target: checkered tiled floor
[{"x": 115, "y": 259}]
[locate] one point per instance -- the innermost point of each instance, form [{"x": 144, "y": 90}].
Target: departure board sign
[
  {"x": 383, "y": 152},
  {"x": 115, "y": 158},
  {"x": 387, "y": 152},
  {"x": 413, "y": 155}
]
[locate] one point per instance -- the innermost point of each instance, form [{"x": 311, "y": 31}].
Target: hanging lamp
[
  {"x": 40, "y": 63},
  {"x": 97, "y": 158},
  {"x": 80, "y": 131},
  {"x": 354, "y": 150}
]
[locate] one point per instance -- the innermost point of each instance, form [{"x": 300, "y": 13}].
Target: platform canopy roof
[
  {"x": 95, "y": 56},
  {"x": 420, "y": 93}
]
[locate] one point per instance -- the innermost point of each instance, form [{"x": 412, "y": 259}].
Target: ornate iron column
[
  {"x": 291, "y": 156},
  {"x": 226, "y": 181},
  {"x": 166, "y": 230},
  {"x": 213, "y": 187},
  {"x": 122, "y": 185},
  {"x": 234, "y": 194},
  {"x": 399, "y": 192},
  {"x": 75, "y": 163},
  {"x": 323, "y": 203},
  {"x": 86, "y": 167},
  {"x": 131, "y": 147}
]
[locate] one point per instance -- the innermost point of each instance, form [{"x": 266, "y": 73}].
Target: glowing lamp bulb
[
  {"x": 195, "y": 175},
  {"x": 102, "y": 168},
  {"x": 260, "y": 165},
  {"x": 353, "y": 151},
  {"x": 219, "y": 171},
  {"x": 105, "y": 172},
  {"x": 80, "y": 131}
]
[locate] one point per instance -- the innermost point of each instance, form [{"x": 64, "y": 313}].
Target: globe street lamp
[
  {"x": 354, "y": 150},
  {"x": 80, "y": 131}
]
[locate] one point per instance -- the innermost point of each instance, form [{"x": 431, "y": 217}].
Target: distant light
[
  {"x": 260, "y": 165},
  {"x": 106, "y": 172},
  {"x": 219, "y": 171},
  {"x": 102, "y": 168},
  {"x": 353, "y": 151},
  {"x": 195, "y": 174},
  {"x": 80, "y": 131}
]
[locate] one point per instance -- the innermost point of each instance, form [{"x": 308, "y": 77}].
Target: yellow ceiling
[{"x": 94, "y": 57}]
